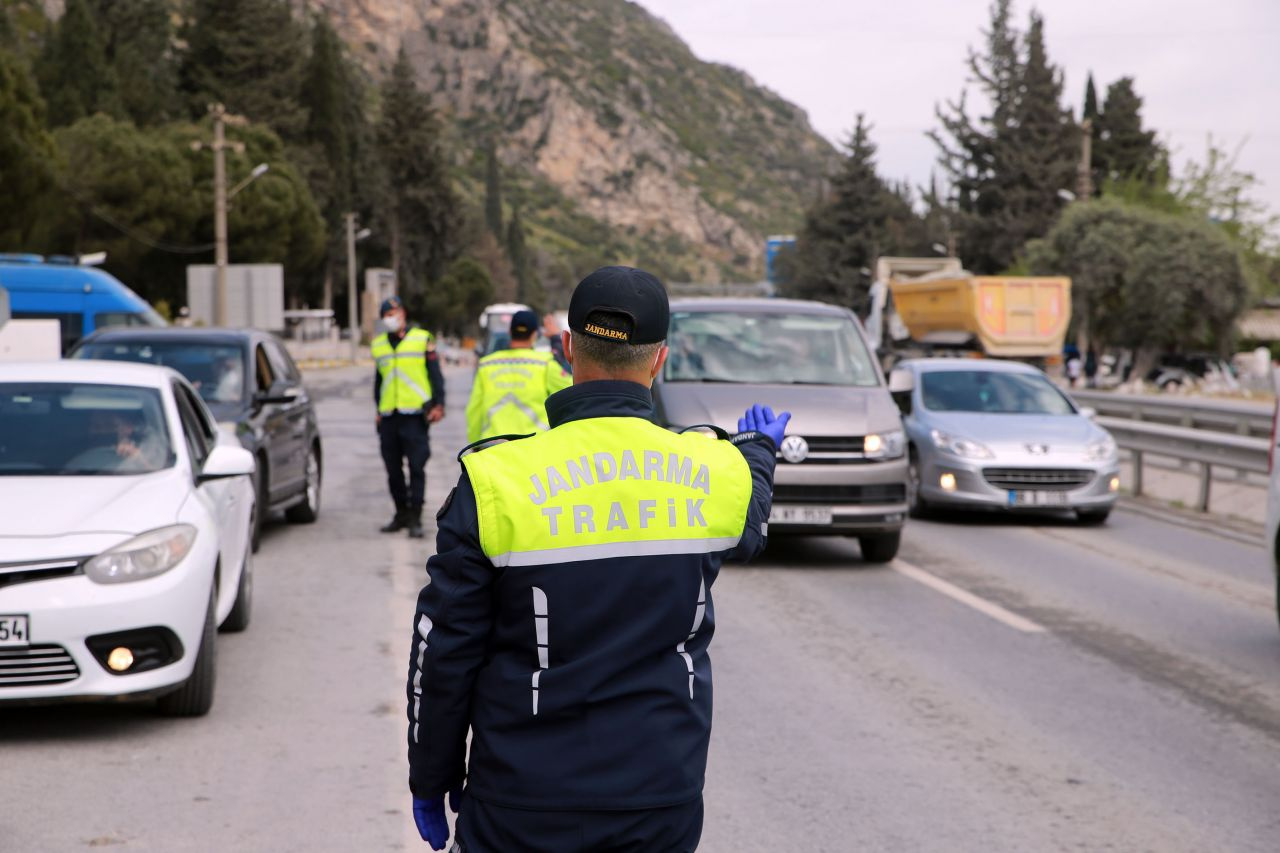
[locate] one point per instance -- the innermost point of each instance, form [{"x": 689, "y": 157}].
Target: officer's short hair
[{"x": 613, "y": 355}]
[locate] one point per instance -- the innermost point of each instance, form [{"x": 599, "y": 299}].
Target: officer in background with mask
[
  {"x": 409, "y": 390},
  {"x": 512, "y": 385},
  {"x": 568, "y": 615}
]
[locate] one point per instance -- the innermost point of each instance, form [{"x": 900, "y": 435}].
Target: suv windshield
[
  {"x": 214, "y": 370},
  {"x": 761, "y": 348},
  {"x": 992, "y": 392},
  {"x": 81, "y": 429}
]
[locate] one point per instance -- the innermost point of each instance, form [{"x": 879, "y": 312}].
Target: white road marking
[{"x": 986, "y": 608}]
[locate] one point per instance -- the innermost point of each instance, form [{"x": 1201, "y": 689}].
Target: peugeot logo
[
  {"x": 1037, "y": 449},
  {"x": 794, "y": 449}
]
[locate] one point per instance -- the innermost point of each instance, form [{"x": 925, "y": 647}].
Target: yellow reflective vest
[
  {"x": 510, "y": 391},
  {"x": 405, "y": 388},
  {"x": 607, "y": 487}
]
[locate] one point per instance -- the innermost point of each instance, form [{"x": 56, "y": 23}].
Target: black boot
[
  {"x": 398, "y": 522},
  {"x": 413, "y": 517}
]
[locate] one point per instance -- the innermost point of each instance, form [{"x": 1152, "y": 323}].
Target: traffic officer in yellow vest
[
  {"x": 511, "y": 387},
  {"x": 409, "y": 390},
  {"x": 569, "y": 611}
]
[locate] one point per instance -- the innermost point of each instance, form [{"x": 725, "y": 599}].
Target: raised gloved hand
[
  {"x": 429, "y": 816},
  {"x": 762, "y": 419}
]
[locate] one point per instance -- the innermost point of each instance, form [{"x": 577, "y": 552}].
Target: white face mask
[{"x": 393, "y": 323}]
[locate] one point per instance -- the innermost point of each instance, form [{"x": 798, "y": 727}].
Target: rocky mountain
[{"x": 607, "y": 124}]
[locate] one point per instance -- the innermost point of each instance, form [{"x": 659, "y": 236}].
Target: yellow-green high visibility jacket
[
  {"x": 569, "y": 612},
  {"x": 404, "y": 385},
  {"x": 510, "y": 393}
]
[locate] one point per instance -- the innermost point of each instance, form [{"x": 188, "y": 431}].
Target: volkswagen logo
[
  {"x": 794, "y": 448},
  {"x": 1037, "y": 449}
]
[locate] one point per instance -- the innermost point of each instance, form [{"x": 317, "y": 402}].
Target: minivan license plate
[
  {"x": 15, "y": 630},
  {"x": 1037, "y": 498},
  {"x": 800, "y": 515}
]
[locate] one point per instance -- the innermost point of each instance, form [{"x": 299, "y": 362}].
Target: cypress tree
[
  {"x": 250, "y": 56},
  {"x": 528, "y": 287},
  {"x": 75, "y": 77},
  {"x": 1123, "y": 150},
  {"x": 1090, "y": 99},
  {"x": 27, "y": 152},
  {"x": 138, "y": 45},
  {"x": 493, "y": 190}
]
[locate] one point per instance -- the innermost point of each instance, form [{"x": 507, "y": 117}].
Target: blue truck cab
[{"x": 82, "y": 298}]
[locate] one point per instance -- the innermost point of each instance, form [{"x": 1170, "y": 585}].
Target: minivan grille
[
  {"x": 880, "y": 493},
  {"x": 1060, "y": 479},
  {"x": 832, "y": 449},
  {"x": 35, "y": 665}
]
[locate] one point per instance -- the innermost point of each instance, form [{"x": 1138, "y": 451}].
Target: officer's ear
[
  {"x": 658, "y": 362},
  {"x": 566, "y": 341}
]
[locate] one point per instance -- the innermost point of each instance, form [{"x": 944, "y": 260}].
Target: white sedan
[{"x": 124, "y": 535}]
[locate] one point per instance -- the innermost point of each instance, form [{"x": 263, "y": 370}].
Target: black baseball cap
[
  {"x": 523, "y": 323},
  {"x": 391, "y": 303},
  {"x": 635, "y": 298}
]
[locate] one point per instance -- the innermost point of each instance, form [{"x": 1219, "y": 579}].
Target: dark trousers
[
  {"x": 405, "y": 437},
  {"x": 486, "y": 828}
]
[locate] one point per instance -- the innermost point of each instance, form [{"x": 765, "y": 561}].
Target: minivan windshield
[
  {"x": 993, "y": 393},
  {"x": 56, "y": 428},
  {"x": 215, "y": 370},
  {"x": 788, "y": 348}
]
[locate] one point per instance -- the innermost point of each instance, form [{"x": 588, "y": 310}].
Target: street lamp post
[{"x": 352, "y": 313}]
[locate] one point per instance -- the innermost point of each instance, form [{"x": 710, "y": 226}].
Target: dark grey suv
[{"x": 253, "y": 389}]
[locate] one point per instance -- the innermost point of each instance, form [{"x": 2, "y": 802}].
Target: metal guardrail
[
  {"x": 1211, "y": 449},
  {"x": 1229, "y": 416}
]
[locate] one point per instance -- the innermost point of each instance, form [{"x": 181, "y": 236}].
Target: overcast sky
[{"x": 1202, "y": 66}]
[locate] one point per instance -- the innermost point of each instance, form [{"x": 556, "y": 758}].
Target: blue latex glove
[
  {"x": 429, "y": 816},
  {"x": 762, "y": 419}
]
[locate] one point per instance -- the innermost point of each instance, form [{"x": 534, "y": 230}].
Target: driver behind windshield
[{"x": 125, "y": 443}]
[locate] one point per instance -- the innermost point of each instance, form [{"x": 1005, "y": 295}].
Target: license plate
[
  {"x": 800, "y": 515},
  {"x": 1037, "y": 498},
  {"x": 15, "y": 630}
]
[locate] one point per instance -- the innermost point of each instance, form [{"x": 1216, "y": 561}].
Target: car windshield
[
  {"x": 215, "y": 370},
  {"x": 767, "y": 348},
  {"x": 49, "y": 429},
  {"x": 992, "y": 392}
]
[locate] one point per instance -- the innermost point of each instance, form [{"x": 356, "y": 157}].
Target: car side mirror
[
  {"x": 227, "y": 461},
  {"x": 902, "y": 383},
  {"x": 278, "y": 393},
  {"x": 1089, "y": 412}
]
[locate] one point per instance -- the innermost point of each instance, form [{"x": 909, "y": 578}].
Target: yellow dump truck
[{"x": 926, "y": 305}]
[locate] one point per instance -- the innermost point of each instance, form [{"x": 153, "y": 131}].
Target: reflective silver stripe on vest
[
  {"x": 577, "y": 553},
  {"x": 424, "y": 628},
  {"x": 510, "y": 399},
  {"x": 541, "y": 637},
  {"x": 697, "y": 623}
]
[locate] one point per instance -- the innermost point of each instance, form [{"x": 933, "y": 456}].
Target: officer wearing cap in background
[
  {"x": 409, "y": 390},
  {"x": 512, "y": 385},
  {"x": 568, "y": 616}
]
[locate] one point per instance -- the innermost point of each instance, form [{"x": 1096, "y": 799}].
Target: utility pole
[
  {"x": 351, "y": 286},
  {"x": 1084, "y": 190},
  {"x": 220, "y": 146}
]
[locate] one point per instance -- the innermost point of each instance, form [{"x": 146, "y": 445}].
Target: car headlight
[
  {"x": 885, "y": 445},
  {"x": 966, "y": 448},
  {"x": 143, "y": 556},
  {"x": 1101, "y": 449}
]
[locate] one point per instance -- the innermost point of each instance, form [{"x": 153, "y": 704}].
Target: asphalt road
[{"x": 1008, "y": 685}]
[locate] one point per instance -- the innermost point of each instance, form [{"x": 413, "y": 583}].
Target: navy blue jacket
[{"x": 617, "y": 731}]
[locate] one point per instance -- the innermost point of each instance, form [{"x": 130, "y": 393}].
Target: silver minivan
[{"x": 842, "y": 467}]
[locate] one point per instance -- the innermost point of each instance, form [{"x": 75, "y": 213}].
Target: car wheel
[
  {"x": 916, "y": 505},
  {"x": 238, "y": 619},
  {"x": 880, "y": 548},
  {"x": 259, "y": 504},
  {"x": 1093, "y": 516},
  {"x": 309, "y": 510},
  {"x": 195, "y": 697}
]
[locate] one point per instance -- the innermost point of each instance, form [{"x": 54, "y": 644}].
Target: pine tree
[
  {"x": 493, "y": 190},
  {"x": 1122, "y": 149},
  {"x": 250, "y": 56},
  {"x": 420, "y": 208},
  {"x": 75, "y": 77},
  {"x": 27, "y": 152},
  {"x": 138, "y": 44}
]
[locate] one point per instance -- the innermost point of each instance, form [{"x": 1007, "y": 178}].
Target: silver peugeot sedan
[
  {"x": 988, "y": 434},
  {"x": 842, "y": 467}
]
